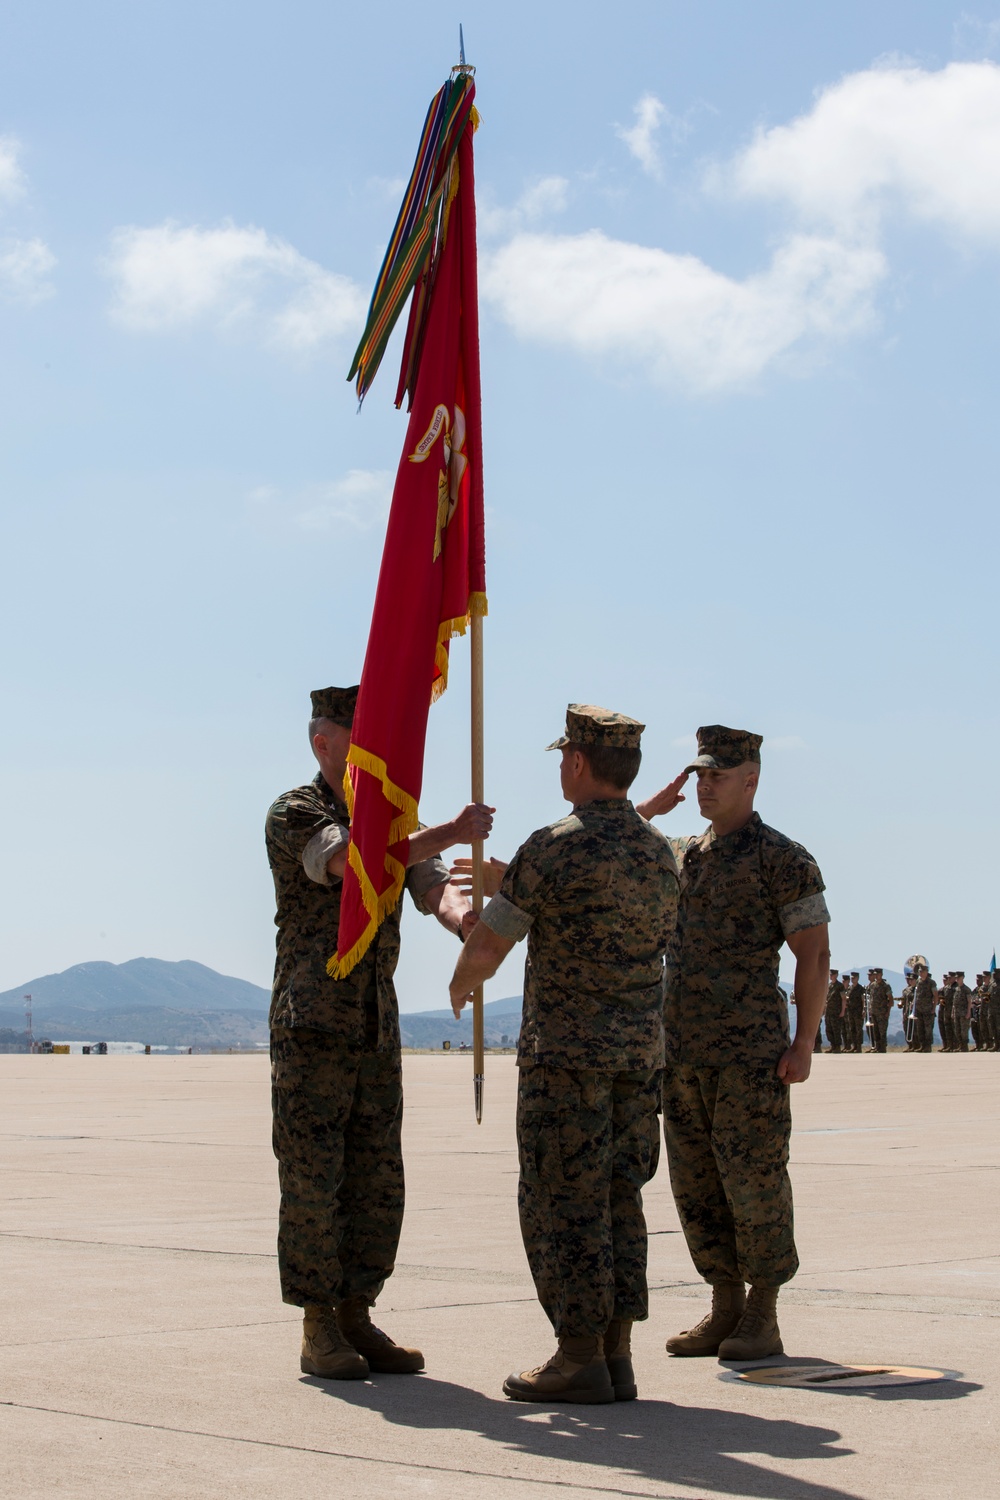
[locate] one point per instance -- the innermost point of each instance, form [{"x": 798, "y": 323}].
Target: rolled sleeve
[
  {"x": 505, "y": 919},
  {"x": 423, "y": 877},
  {"x": 320, "y": 850},
  {"x": 811, "y": 911}
]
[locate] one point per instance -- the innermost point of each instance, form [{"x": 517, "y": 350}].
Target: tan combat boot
[
  {"x": 383, "y": 1356},
  {"x": 729, "y": 1301},
  {"x": 325, "y": 1352},
  {"x": 757, "y": 1335},
  {"x": 577, "y": 1373},
  {"x": 618, "y": 1356}
]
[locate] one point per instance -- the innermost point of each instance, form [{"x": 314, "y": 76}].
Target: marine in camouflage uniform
[
  {"x": 855, "y": 1014},
  {"x": 337, "y": 1092},
  {"x": 833, "y": 1012},
  {"x": 944, "y": 996},
  {"x": 960, "y": 1003},
  {"x": 987, "y": 1020},
  {"x": 878, "y": 997},
  {"x": 992, "y": 1011},
  {"x": 595, "y": 894},
  {"x": 975, "y": 1012},
  {"x": 726, "y": 1107},
  {"x": 924, "y": 996}
]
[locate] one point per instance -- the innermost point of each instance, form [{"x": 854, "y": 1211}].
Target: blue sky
[{"x": 740, "y": 331}]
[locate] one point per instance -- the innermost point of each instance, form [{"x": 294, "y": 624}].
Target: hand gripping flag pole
[{"x": 432, "y": 582}]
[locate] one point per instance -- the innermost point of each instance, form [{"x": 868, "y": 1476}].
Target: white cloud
[
  {"x": 548, "y": 195},
  {"x": 674, "y": 315},
  {"x": 359, "y": 500},
  {"x": 640, "y": 138},
  {"x": 974, "y": 37},
  {"x": 894, "y": 139},
  {"x": 24, "y": 264},
  {"x": 24, "y": 271},
  {"x": 12, "y": 179},
  {"x": 170, "y": 276}
]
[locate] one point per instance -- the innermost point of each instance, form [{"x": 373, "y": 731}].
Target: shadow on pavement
[
  {"x": 654, "y": 1440},
  {"x": 935, "y": 1390},
  {"x": 941, "y": 1390}
]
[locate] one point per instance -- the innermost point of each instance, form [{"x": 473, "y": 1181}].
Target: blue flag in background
[{"x": 993, "y": 962}]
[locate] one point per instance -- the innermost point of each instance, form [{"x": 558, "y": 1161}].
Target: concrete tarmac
[{"x": 145, "y": 1350}]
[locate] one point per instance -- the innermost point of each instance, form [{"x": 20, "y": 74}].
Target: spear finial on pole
[{"x": 462, "y": 66}]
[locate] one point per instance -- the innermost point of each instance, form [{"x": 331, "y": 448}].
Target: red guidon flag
[{"x": 433, "y": 574}]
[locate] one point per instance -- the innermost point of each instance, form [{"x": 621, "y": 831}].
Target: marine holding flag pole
[{"x": 432, "y": 582}]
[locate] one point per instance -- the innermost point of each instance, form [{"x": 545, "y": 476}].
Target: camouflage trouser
[
  {"x": 923, "y": 1030},
  {"x": 880, "y": 1025},
  {"x": 855, "y": 1028},
  {"x": 834, "y": 1030},
  {"x": 588, "y": 1143},
  {"x": 960, "y": 1028},
  {"x": 944, "y": 1026},
  {"x": 336, "y": 1117},
  {"x": 987, "y": 1024},
  {"x": 727, "y": 1132}
]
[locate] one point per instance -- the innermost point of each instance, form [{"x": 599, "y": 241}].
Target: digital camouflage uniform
[
  {"x": 880, "y": 1002},
  {"x": 596, "y": 896},
  {"x": 855, "y": 1017},
  {"x": 337, "y": 1092},
  {"x": 944, "y": 995},
  {"x": 961, "y": 997},
  {"x": 833, "y": 1015},
  {"x": 986, "y": 1014},
  {"x": 975, "y": 1018},
  {"x": 726, "y": 1114},
  {"x": 924, "y": 995},
  {"x": 992, "y": 1012}
]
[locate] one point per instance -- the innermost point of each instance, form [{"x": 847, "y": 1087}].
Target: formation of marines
[
  {"x": 854, "y": 1013},
  {"x": 651, "y": 987},
  {"x": 959, "y": 1011}
]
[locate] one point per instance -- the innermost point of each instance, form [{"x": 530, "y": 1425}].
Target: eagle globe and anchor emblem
[{"x": 455, "y": 464}]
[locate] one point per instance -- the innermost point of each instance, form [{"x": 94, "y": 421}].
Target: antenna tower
[{"x": 29, "y": 1038}]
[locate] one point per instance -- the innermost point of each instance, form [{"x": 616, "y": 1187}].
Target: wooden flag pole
[{"x": 478, "y": 795}]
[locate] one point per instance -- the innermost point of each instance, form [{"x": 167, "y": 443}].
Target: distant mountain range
[
  {"x": 186, "y": 1004},
  {"x": 150, "y": 1000},
  {"x": 429, "y": 1028}
]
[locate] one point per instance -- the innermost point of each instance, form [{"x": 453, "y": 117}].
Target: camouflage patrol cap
[
  {"x": 589, "y": 725},
  {"x": 336, "y": 704},
  {"x": 722, "y": 749}
]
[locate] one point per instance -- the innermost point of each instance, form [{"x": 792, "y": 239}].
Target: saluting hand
[{"x": 663, "y": 801}]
